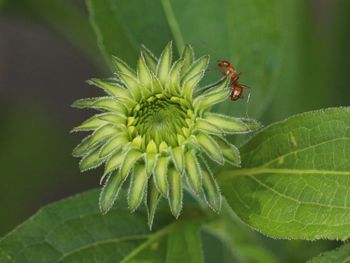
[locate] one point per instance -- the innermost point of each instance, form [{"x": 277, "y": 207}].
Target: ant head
[{"x": 224, "y": 63}]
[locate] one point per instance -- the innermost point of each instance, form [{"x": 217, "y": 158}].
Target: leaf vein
[
  {"x": 100, "y": 242},
  {"x": 294, "y": 199},
  {"x": 302, "y": 150}
]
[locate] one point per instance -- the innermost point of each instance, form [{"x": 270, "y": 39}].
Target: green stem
[
  {"x": 174, "y": 26},
  {"x": 162, "y": 232}
]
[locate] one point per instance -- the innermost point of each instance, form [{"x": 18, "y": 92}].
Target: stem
[
  {"x": 162, "y": 232},
  {"x": 174, "y": 26}
]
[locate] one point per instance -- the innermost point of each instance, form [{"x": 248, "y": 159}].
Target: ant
[{"x": 237, "y": 88}]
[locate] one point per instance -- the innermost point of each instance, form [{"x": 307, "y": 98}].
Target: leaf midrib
[
  {"x": 162, "y": 232},
  {"x": 262, "y": 170},
  {"x": 101, "y": 242}
]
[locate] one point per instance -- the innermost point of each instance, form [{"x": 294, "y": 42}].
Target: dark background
[
  {"x": 45, "y": 60},
  {"x": 41, "y": 73}
]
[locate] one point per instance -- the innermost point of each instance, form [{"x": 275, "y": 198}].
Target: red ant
[{"x": 237, "y": 88}]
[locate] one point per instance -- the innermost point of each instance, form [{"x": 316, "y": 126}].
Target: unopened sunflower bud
[{"x": 155, "y": 129}]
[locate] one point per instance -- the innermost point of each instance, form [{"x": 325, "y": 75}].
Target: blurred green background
[{"x": 48, "y": 49}]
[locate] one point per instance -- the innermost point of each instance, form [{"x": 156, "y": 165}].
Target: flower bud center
[{"x": 160, "y": 119}]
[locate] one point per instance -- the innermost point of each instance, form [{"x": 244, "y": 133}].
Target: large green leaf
[
  {"x": 295, "y": 180},
  {"x": 74, "y": 230},
  {"x": 341, "y": 254}
]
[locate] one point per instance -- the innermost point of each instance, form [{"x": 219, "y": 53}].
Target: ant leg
[{"x": 247, "y": 101}]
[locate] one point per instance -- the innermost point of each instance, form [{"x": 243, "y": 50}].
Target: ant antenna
[
  {"x": 207, "y": 46},
  {"x": 212, "y": 52}
]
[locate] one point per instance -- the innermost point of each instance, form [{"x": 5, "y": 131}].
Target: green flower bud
[{"x": 154, "y": 128}]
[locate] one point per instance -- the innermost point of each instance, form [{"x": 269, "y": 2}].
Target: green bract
[{"x": 155, "y": 128}]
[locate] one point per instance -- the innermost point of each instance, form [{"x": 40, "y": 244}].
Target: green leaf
[
  {"x": 74, "y": 230},
  {"x": 109, "y": 29},
  {"x": 150, "y": 160},
  {"x": 83, "y": 147},
  {"x": 241, "y": 241},
  {"x": 211, "y": 189},
  {"x": 113, "y": 144},
  {"x": 204, "y": 125},
  {"x": 218, "y": 93},
  {"x": 230, "y": 152},
  {"x": 103, "y": 132},
  {"x": 120, "y": 35},
  {"x": 111, "y": 88},
  {"x": 151, "y": 202},
  {"x": 160, "y": 175},
  {"x": 175, "y": 191},
  {"x": 137, "y": 186},
  {"x": 102, "y": 104},
  {"x": 184, "y": 245},
  {"x": 198, "y": 66},
  {"x": 114, "y": 162},
  {"x": 99, "y": 120},
  {"x": 187, "y": 56},
  {"x": 129, "y": 160},
  {"x": 144, "y": 74},
  {"x": 91, "y": 160},
  {"x": 189, "y": 85},
  {"x": 247, "y": 33},
  {"x": 193, "y": 171},
  {"x": 210, "y": 147},
  {"x": 112, "y": 117},
  {"x": 91, "y": 124},
  {"x": 84, "y": 103},
  {"x": 177, "y": 157},
  {"x": 341, "y": 254},
  {"x": 232, "y": 125},
  {"x": 123, "y": 68},
  {"x": 174, "y": 80},
  {"x": 295, "y": 180},
  {"x": 150, "y": 59},
  {"x": 110, "y": 191},
  {"x": 110, "y": 104},
  {"x": 164, "y": 63},
  {"x": 127, "y": 76}
]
